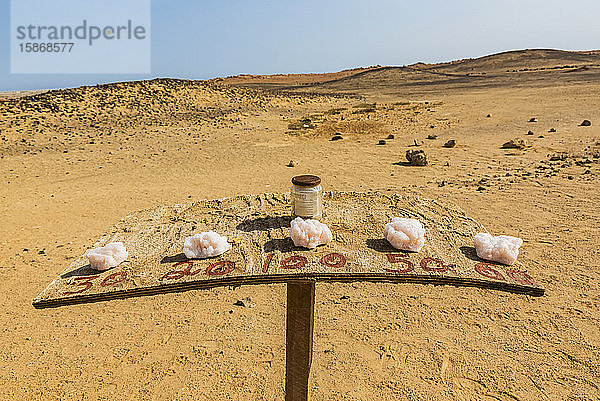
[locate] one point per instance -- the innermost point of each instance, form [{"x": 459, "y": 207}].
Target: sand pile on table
[{"x": 259, "y": 230}]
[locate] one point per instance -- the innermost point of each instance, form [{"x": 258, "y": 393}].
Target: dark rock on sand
[
  {"x": 450, "y": 144},
  {"x": 416, "y": 157},
  {"x": 516, "y": 143}
]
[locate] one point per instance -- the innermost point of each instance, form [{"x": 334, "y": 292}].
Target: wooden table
[{"x": 258, "y": 228}]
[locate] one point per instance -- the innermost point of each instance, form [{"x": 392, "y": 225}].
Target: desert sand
[{"x": 73, "y": 162}]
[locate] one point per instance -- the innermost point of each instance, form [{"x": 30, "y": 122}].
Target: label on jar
[{"x": 307, "y": 203}]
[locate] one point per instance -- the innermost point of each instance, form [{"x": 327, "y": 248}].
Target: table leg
[{"x": 299, "y": 337}]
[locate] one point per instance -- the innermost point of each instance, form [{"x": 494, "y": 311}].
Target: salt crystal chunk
[
  {"x": 405, "y": 234},
  {"x": 309, "y": 233},
  {"x": 205, "y": 245},
  {"x": 503, "y": 248},
  {"x": 108, "y": 256}
]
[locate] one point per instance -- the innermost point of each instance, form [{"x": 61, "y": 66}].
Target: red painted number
[
  {"x": 334, "y": 259},
  {"x": 486, "y": 270},
  {"x": 84, "y": 282},
  {"x": 177, "y": 274},
  {"x": 520, "y": 276},
  {"x": 397, "y": 258},
  {"x": 113, "y": 279},
  {"x": 442, "y": 267},
  {"x": 220, "y": 268},
  {"x": 267, "y": 263},
  {"x": 293, "y": 262}
]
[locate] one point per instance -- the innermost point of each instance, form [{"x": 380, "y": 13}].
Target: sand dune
[{"x": 73, "y": 162}]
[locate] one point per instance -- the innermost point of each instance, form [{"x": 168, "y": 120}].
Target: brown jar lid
[{"x": 306, "y": 180}]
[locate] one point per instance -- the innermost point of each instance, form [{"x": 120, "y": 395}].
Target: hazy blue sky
[{"x": 205, "y": 39}]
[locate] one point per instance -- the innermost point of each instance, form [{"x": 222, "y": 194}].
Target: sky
[{"x": 206, "y": 39}]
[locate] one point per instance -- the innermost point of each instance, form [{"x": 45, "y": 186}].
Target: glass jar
[{"x": 307, "y": 197}]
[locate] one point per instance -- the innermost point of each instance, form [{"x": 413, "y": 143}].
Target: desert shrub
[{"x": 336, "y": 110}]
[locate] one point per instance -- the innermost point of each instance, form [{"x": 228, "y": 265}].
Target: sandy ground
[{"x": 73, "y": 164}]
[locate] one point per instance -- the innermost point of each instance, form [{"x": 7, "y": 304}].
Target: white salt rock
[
  {"x": 205, "y": 245},
  {"x": 111, "y": 255},
  {"x": 405, "y": 234},
  {"x": 503, "y": 248},
  {"x": 309, "y": 233}
]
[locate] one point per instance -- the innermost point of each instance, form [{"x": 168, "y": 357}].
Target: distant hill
[
  {"x": 517, "y": 67},
  {"x": 520, "y": 59},
  {"x": 284, "y": 80}
]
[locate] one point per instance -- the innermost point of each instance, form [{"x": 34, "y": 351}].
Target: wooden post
[{"x": 299, "y": 338}]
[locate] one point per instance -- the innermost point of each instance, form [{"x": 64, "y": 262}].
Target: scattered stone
[
  {"x": 529, "y": 132},
  {"x": 541, "y": 136},
  {"x": 291, "y": 164},
  {"x": 503, "y": 248},
  {"x": 586, "y": 123},
  {"x": 480, "y": 188},
  {"x": 450, "y": 144},
  {"x": 432, "y": 136},
  {"x": 551, "y": 130},
  {"x": 570, "y": 177},
  {"x": 381, "y": 142},
  {"x": 533, "y": 120},
  {"x": 390, "y": 136},
  {"x": 442, "y": 183},
  {"x": 432, "y": 126},
  {"x": 345, "y": 297},
  {"x": 245, "y": 302},
  {"x": 416, "y": 157},
  {"x": 516, "y": 143},
  {"x": 336, "y": 138},
  {"x": 417, "y": 143},
  {"x": 405, "y": 234},
  {"x": 561, "y": 157}
]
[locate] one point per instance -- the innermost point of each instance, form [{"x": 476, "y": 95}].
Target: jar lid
[{"x": 306, "y": 180}]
